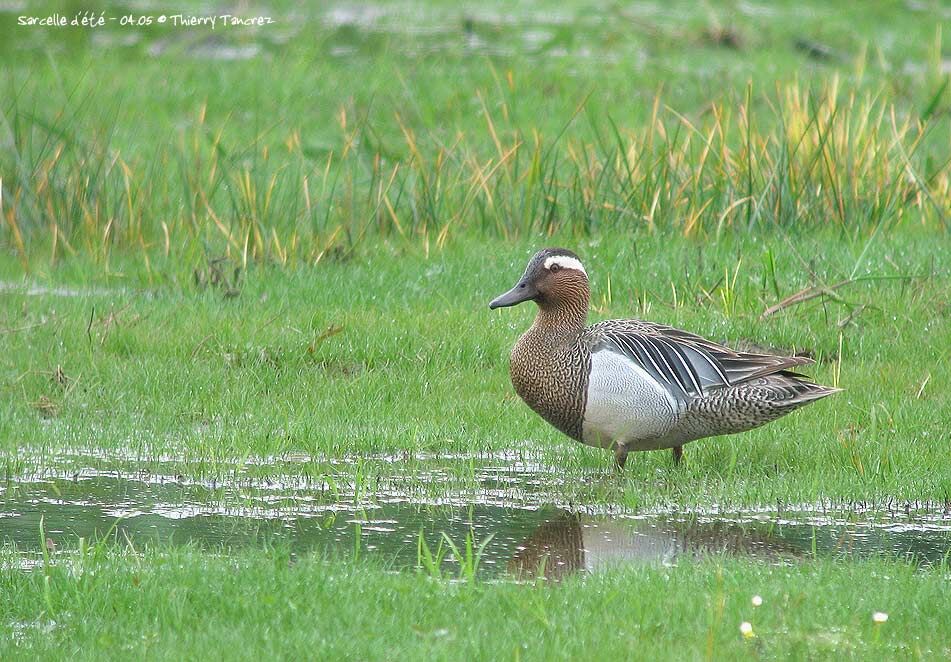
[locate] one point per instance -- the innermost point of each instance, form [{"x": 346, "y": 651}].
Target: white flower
[
  {"x": 746, "y": 629},
  {"x": 757, "y": 601},
  {"x": 879, "y": 617}
]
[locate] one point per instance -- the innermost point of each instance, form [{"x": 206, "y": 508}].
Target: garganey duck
[{"x": 631, "y": 385}]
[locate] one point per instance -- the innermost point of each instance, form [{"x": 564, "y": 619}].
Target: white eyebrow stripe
[{"x": 565, "y": 262}]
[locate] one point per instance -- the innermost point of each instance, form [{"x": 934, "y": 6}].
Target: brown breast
[{"x": 551, "y": 375}]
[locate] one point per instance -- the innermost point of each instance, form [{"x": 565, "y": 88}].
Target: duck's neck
[{"x": 564, "y": 316}]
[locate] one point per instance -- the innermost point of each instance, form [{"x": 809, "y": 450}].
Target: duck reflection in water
[{"x": 571, "y": 542}]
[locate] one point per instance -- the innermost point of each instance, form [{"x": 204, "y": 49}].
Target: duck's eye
[{"x": 555, "y": 267}]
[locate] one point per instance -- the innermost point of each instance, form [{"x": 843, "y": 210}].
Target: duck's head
[{"x": 553, "y": 277}]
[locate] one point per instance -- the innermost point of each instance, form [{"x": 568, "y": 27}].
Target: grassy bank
[{"x": 188, "y": 605}]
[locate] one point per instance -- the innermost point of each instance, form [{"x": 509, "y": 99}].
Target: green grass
[
  {"x": 629, "y": 121},
  {"x": 396, "y": 353},
  {"x": 253, "y": 269},
  {"x": 184, "y": 604}
]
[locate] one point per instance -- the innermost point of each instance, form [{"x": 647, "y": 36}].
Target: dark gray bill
[{"x": 518, "y": 294}]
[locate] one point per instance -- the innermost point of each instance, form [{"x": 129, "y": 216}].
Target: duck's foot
[
  {"x": 620, "y": 458},
  {"x": 678, "y": 454}
]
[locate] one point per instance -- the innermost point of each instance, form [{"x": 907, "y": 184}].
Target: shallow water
[
  {"x": 161, "y": 510},
  {"x": 27, "y": 288}
]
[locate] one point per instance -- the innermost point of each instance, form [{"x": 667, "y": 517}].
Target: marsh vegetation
[{"x": 252, "y": 398}]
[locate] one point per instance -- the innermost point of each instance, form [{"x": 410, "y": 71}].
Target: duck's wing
[{"x": 684, "y": 362}]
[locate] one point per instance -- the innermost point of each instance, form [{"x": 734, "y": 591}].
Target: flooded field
[{"x": 521, "y": 537}]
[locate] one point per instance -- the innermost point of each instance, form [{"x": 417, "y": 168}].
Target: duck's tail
[{"x": 754, "y": 402}]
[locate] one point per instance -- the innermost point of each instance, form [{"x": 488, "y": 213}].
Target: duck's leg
[
  {"x": 678, "y": 454},
  {"x": 620, "y": 457}
]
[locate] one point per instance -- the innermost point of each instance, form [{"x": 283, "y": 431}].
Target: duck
[{"x": 632, "y": 385}]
